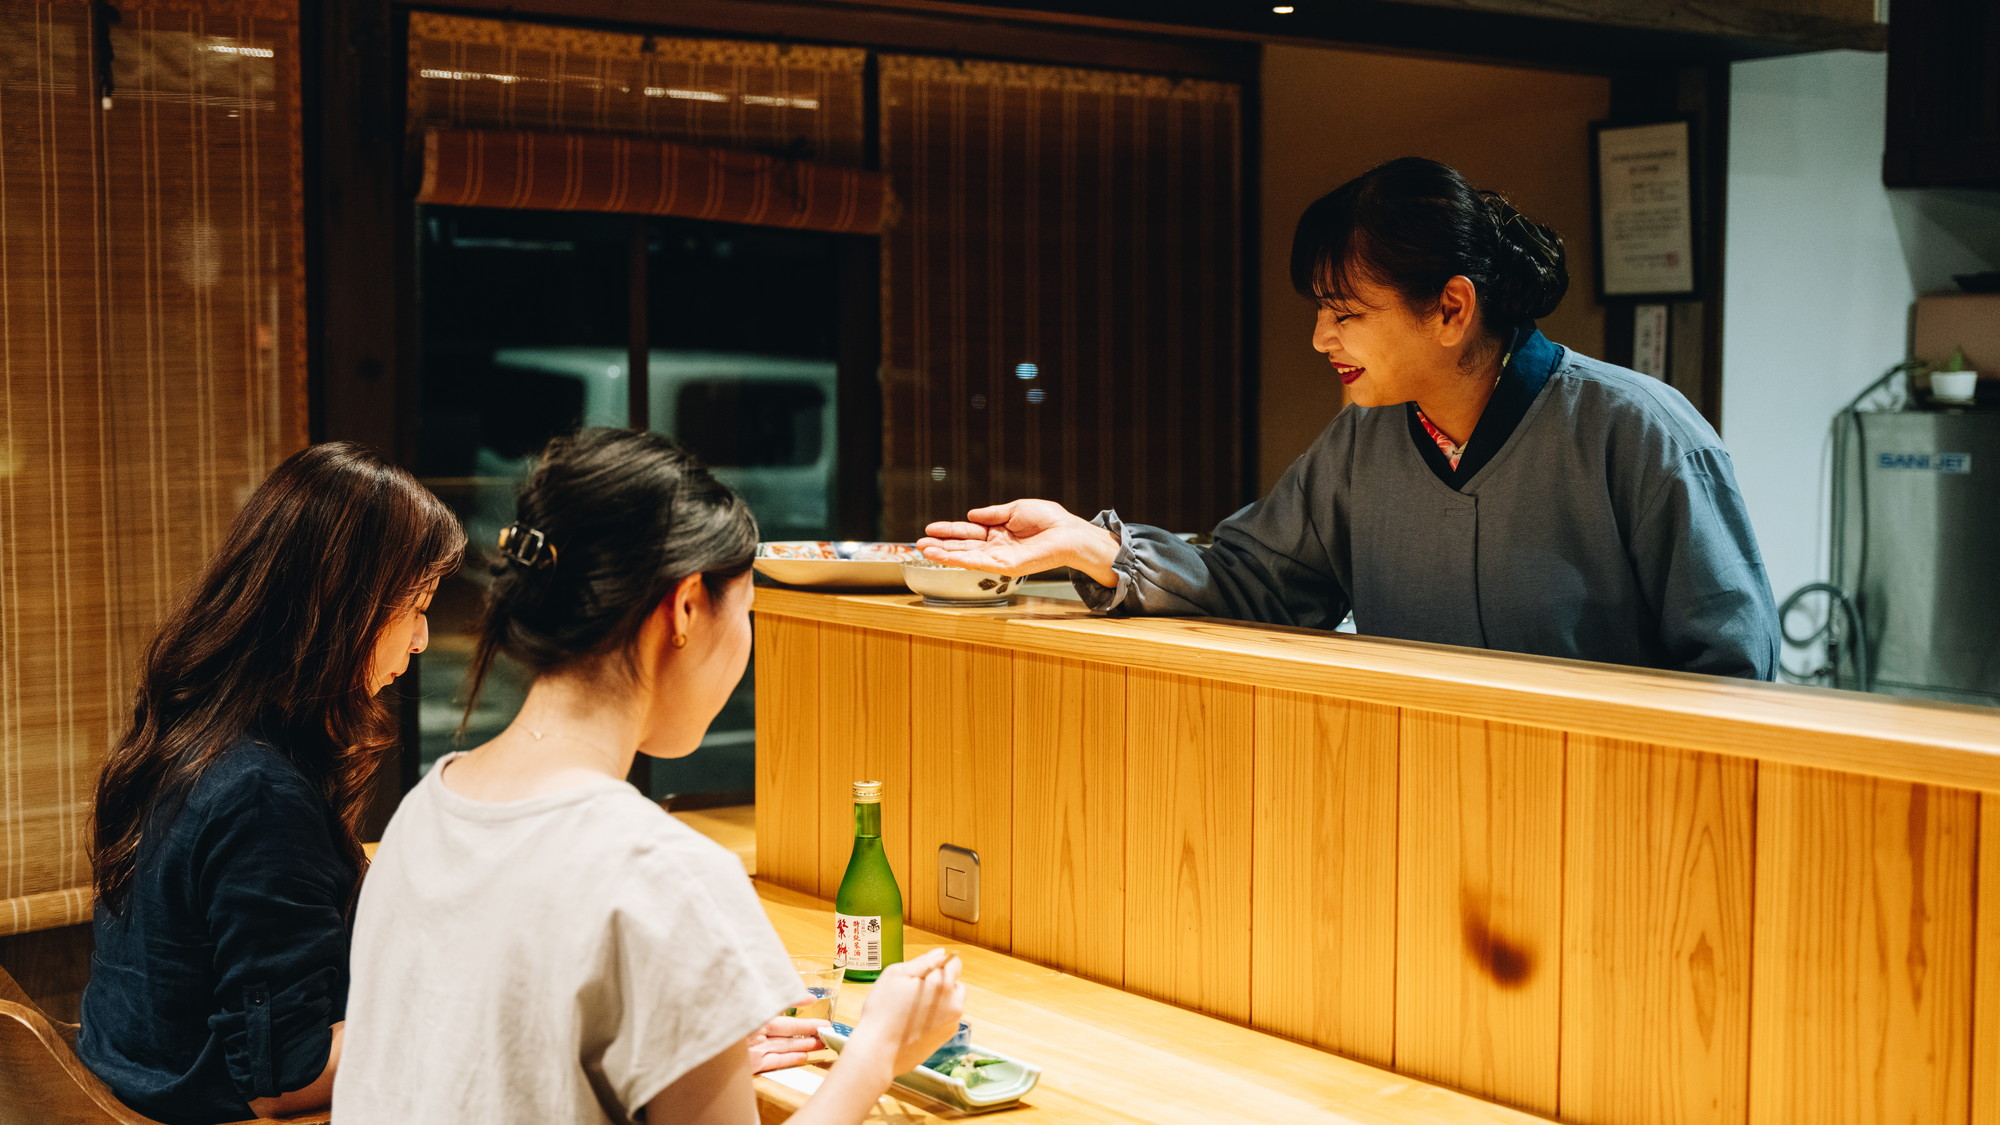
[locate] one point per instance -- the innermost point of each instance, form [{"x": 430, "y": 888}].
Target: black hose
[{"x": 1859, "y": 632}]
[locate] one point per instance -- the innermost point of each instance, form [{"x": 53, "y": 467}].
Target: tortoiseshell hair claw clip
[{"x": 527, "y": 546}]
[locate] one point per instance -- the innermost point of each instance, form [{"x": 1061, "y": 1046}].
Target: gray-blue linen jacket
[{"x": 1607, "y": 527}]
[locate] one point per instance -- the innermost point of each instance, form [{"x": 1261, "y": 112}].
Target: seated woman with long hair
[
  {"x": 537, "y": 941},
  {"x": 225, "y": 853}
]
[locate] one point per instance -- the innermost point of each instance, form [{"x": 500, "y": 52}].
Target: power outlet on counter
[{"x": 958, "y": 882}]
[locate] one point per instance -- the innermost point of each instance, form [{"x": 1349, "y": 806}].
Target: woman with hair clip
[
  {"x": 1485, "y": 487},
  {"x": 225, "y": 856},
  {"x": 539, "y": 942}
]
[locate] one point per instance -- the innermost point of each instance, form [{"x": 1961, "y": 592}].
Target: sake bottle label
[{"x": 857, "y": 940}]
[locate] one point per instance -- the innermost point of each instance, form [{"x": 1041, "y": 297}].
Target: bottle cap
[{"x": 867, "y": 792}]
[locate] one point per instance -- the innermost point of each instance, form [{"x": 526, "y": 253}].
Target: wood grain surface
[
  {"x": 1479, "y": 907},
  {"x": 1656, "y": 935},
  {"x": 1986, "y": 970},
  {"x": 1323, "y": 913},
  {"x": 1862, "y": 995},
  {"x": 1607, "y": 895},
  {"x": 962, "y": 771},
  {"x": 864, "y": 725},
  {"x": 1069, "y": 816},
  {"x": 1110, "y": 1057},
  {"x": 1187, "y": 841},
  {"x": 1905, "y": 739},
  {"x": 788, "y": 746}
]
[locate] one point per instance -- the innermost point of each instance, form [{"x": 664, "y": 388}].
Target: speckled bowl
[{"x": 954, "y": 587}]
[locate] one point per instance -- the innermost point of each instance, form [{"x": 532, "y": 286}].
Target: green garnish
[{"x": 966, "y": 1068}]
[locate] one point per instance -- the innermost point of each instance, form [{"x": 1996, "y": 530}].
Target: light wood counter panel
[
  {"x": 1323, "y": 895},
  {"x": 961, "y": 780},
  {"x": 1656, "y": 934},
  {"x": 789, "y": 794},
  {"x": 1109, "y": 1057},
  {"x": 1187, "y": 842},
  {"x": 1480, "y": 907},
  {"x": 1934, "y": 743},
  {"x": 864, "y": 721},
  {"x": 1863, "y": 950},
  {"x": 1069, "y": 816},
  {"x": 1611, "y": 896},
  {"x": 1986, "y": 970}
]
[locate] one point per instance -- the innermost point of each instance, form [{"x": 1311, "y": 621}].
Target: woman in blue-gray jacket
[{"x": 1485, "y": 487}]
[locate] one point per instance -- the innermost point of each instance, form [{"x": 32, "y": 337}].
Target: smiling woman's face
[
  {"x": 1381, "y": 351},
  {"x": 407, "y": 633}
]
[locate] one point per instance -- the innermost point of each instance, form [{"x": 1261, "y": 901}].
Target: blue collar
[
  {"x": 1524, "y": 371},
  {"x": 1532, "y": 360}
]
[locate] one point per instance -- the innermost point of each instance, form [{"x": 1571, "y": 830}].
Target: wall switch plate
[{"x": 958, "y": 882}]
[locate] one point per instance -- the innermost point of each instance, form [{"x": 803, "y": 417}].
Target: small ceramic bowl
[{"x": 955, "y": 587}]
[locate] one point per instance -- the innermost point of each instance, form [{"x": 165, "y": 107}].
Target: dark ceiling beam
[
  {"x": 1216, "y": 37},
  {"x": 1596, "y": 34}
]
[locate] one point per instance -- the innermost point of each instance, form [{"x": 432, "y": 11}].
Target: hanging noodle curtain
[{"x": 582, "y": 172}]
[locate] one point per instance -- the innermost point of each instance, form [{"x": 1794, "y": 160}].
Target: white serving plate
[{"x": 793, "y": 562}]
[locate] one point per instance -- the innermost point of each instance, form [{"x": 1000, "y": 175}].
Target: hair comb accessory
[{"x": 527, "y": 546}]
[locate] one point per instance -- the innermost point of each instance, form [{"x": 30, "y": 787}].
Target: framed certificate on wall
[{"x": 1642, "y": 189}]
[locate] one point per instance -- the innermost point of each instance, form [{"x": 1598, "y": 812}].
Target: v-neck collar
[{"x": 1523, "y": 374}]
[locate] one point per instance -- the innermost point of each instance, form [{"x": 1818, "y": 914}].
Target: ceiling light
[{"x": 1284, "y": 9}]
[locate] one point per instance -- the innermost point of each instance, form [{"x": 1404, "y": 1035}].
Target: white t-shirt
[{"x": 559, "y": 959}]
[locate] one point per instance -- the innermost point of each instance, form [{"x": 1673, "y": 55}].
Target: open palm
[{"x": 1022, "y": 537}]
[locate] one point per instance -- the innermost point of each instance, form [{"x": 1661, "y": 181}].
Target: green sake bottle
[{"x": 868, "y": 918}]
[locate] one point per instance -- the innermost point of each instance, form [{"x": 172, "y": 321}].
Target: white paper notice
[
  {"x": 1646, "y": 219},
  {"x": 1649, "y": 340}
]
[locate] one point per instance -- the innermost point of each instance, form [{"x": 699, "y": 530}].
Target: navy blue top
[{"x": 221, "y": 979}]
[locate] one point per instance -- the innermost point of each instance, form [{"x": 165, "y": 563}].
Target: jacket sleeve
[
  {"x": 1270, "y": 562},
  {"x": 275, "y": 892},
  {"x": 1696, "y": 559}
]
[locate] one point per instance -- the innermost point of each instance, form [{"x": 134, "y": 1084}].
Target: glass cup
[{"x": 821, "y": 977}]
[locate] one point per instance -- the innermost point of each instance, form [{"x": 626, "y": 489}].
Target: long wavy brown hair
[{"x": 275, "y": 639}]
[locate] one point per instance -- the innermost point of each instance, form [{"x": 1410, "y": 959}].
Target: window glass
[{"x": 525, "y": 335}]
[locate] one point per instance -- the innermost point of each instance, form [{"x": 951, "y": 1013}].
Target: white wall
[{"x": 1822, "y": 265}]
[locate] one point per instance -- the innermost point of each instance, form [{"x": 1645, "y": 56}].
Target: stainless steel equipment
[{"x": 1917, "y": 541}]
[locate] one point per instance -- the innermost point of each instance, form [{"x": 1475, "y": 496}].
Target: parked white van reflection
[{"x": 765, "y": 425}]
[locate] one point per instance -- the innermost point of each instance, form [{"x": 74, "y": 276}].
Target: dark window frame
[{"x": 361, "y": 219}]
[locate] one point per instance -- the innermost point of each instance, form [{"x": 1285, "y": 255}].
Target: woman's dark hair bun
[
  {"x": 623, "y": 516},
  {"x": 1413, "y": 224},
  {"x": 1530, "y": 266}
]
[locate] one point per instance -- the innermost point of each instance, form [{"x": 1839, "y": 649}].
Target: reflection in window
[{"x": 525, "y": 336}]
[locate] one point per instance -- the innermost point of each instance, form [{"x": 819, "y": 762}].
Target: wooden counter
[
  {"x": 1110, "y": 1057},
  {"x": 1599, "y": 894}
]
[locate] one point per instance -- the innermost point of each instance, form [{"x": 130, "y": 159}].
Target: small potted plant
[{"x": 1955, "y": 381}]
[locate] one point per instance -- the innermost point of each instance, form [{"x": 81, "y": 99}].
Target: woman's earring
[{"x": 680, "y": 640}]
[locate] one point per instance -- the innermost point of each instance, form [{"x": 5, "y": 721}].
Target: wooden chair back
[{"x": 43, "y": 1082}]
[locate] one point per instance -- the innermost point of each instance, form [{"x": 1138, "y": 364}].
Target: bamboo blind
[
  {"x": 634, "y": 176},
  {"x": 151, "y": 340},
  {"x": 1061, "y": 298},
  {"x": 788, "y": 100}
]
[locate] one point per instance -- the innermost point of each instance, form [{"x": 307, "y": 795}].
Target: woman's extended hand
[
  {"x": 1023, "y": 537},
  {"x": 785, "y": 1041},
  {"x": 911, "y": 1012}
]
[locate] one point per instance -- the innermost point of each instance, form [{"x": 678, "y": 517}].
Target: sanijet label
[{"x": 1926, "y": 462}]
